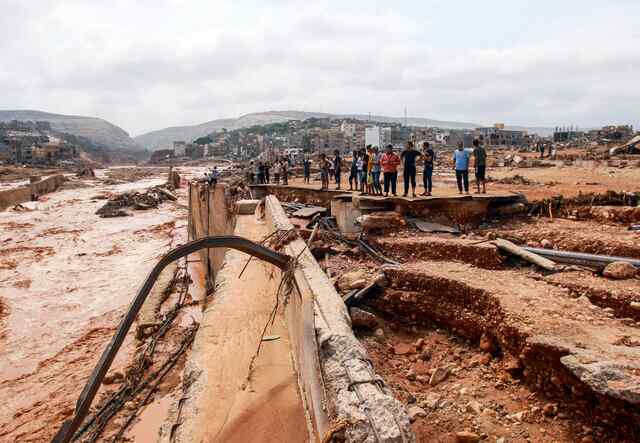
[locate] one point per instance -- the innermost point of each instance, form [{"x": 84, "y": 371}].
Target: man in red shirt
[{"x": 390, "y": 162}]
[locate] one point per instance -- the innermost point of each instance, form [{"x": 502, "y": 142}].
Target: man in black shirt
[
  {"x": 427, "y": 175},
  {"x": 408, "y": 157}
]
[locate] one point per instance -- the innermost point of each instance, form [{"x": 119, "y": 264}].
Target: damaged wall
[
  {"x": 210, "y": 213},
  {"x": 355, "y": 393},
  {"x": 23, "y": 194}
]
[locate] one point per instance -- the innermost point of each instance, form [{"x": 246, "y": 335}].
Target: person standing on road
[
  {"x": 267, "y": 175},
  {"x": 363, "y": 164},
  {"x": 353, "y": 174},
  {"x": 480, "y": 165},
  {"x": 306, "y": 166},
  {"x": 408, "y": 157},
  {"x": 337, "y": 167},
  {"x": 324, "y": 172},
  {"x": 377, "y": 156},
  {"x": 427, "y": 174},
  {"x": 276, "y": 172},
  {"x": 461, "y": 166},
  {"x": 389, "y": 163},
  {"x": 285, "y": 171}
]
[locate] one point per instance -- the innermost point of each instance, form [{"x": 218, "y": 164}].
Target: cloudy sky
[{"x": 148, "y": 64}]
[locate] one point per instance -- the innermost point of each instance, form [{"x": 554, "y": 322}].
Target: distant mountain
[
  {"x": 96, "y": 129},
  {"x": 164, "y": 138}
]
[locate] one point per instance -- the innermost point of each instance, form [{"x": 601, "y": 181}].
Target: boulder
[
  {"x": 620, "y": 270},
  {"x": 382, "y": 220},
  {"x": 416, "y": 412},
  {"x": 363, "y": 319}
]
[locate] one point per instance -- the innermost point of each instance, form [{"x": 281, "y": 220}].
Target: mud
[{"x": 66, "y": 277}]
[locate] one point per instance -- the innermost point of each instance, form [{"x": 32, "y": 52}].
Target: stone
[
  {"x": 420, "y": 368},
  {"x": 416, "y": 412},
  {"x": 620, "y": 270},
  {"x": 635, "y": 305},
  {"x": 547, "y": 244},
  {"x": 363, "y": 319},
  {"x": 550, "y": 410},
  {"x": 403, "y": 348},
  {"x": 382, "y": 281},
  {"x": 411, "y": 375},
  {"x": 348, "y": 279},
  {"x": 113, "y": 378},
  {"x": 488, "y": 344},
  {"x": 419, "y": 343},
  {"x": 467, "y": 437},
  {"x": 432, "y": 401},
  {"x": 474, "y": 407},
  {"x": 439, "y": 375}
]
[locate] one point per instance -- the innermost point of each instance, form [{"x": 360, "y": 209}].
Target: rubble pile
[
  {"x": 514, "y": 180},
  {"x": 562, "y": 205},
  {"x": 149, "y": 199}
]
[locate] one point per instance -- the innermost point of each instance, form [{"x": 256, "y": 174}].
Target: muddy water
[{"x": 66, "y": 278}]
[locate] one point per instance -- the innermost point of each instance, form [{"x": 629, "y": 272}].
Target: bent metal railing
[{"x": 282, "y": 261}]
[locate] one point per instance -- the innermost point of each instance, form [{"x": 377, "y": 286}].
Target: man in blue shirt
[{"x": 461, "y": 166}]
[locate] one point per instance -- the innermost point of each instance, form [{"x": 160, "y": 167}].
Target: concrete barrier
[
  {"x": 354, "y": 392},
  {"x": 12, "y": 197},
  {"x": 211, "y": 212}
]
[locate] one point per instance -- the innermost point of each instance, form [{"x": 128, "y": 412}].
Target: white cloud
[{"x": 150, "y": 64}]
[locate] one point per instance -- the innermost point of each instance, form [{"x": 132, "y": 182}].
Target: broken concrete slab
[
  {"x": 433, "y": 247},
  {"x": 246, "y": 207}
]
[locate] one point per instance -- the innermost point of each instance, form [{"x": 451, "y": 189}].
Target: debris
[
  {"x": 467, "y": 437},
  {"x": 620, "y": 270},
  {"x": 363, "y": 319},
  {"x": 432, "y": 401},
  {"x": 149, "y": 199},
  {"x": 439, "y": 375},
  {"x": 550, "y": 410},
  {"x": 309, "y": 211},
  {"x": 246, "y": 207},
  {"x": 352, "y": 280},
  {"x": 416, "y": 412},
  {"x": 474, "y": 407},
  {"x": 382, "y": 220},
  {"x": 488, "y": 344},
  {"x": 270, "y": 337},
  {"x": 430, "y": 227},
  {"x": 512, "y": 248},
  {"x": 580, "y": 258}
]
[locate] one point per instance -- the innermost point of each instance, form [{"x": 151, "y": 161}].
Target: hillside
[
  {"x": 96, "y": 129},
  {"x": 163, "y": 138}
]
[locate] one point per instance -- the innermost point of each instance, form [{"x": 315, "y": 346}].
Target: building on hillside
[
  {"x": 498, "y": 136},
  {"x": 179, "y": 149}
]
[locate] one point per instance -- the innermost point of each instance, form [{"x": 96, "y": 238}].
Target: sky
[{"x": 150, "y": 64}]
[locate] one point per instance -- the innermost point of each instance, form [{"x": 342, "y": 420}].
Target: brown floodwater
[{"x": 66, "y": 278}]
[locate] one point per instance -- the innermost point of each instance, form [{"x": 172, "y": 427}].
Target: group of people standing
[
  {"x": 368, "y": 164},
  {"x": 261, "y": 174}
]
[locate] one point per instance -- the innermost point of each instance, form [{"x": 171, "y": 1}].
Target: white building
[
  {"x": 348, "y": 129},
  {"x": 373, "y": 136},
  {"x": 386, "y": 137}
]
